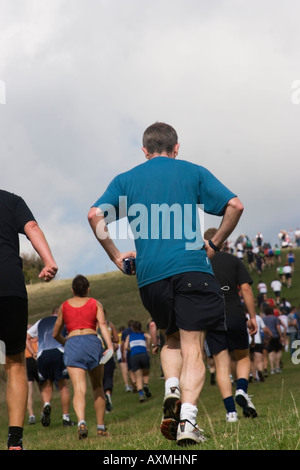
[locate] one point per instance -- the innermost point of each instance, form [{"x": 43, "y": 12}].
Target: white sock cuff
[
  {"x": 171, "y": 382},
  {"x": 189, "y": 411}
]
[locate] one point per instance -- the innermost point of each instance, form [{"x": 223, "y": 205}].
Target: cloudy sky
[{"x": 80, "y": 80}]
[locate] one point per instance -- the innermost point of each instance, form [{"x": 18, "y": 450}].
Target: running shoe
[
  {"x": 108, "y": 403},
  {"x": 189, "y": 434},
  {"x": 31, "y": 419},
  {"x": 82, "y": 431},
  {"x": 15, "y": 448},
  {"x": 102, "y": 432},
  {"x": 232, "y": 417},
  {"x": 243, "y": 400},
  {"x": 260, "y": 376},
  {"x": 46, "y": 416},
  {"x": 68, "y": 422},
  {"x": 147, "y": 391},
  {"x": 171, "y": 414}
]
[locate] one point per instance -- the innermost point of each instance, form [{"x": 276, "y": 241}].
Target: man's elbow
[
  {"x": 236, "y": 204},
  {"x": 30, "y": 226},
  {"x": 91, "y": 215},
  {"x": 94, "y": 216}
]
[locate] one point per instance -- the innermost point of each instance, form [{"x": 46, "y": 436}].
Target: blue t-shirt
[
  {"x": 161, "y": 199},
  {"x": 137, "y": 343}
]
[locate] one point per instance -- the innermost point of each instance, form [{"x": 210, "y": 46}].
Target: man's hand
[
  {"x": 252, "y": 326},
  {"x": 209, "y": 250},
  {"x": 48, "y": 272},
  {"x": 121, "y": 256}
]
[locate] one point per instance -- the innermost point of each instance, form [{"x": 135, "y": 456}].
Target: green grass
[{"x": 135, "y": 426}]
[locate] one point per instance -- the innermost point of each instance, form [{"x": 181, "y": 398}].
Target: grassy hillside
[
  {"x": 117, "y": 293},
  {"x": 135, "y": 426}
]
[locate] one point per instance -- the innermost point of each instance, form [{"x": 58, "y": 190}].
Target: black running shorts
[
  {"x": 236, "y": 336},
  {"x": 191, "y": 301},
  {"x": 13, "y": 324},
  {"x": 51, "y": 366},
  {"x": 140, "y": 361},
  {"x": 32, "y": 369}
]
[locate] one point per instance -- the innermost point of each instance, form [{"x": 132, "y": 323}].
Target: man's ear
[
  {"x": 176, "y": 149},
  {"x": 147, "y": 155}
]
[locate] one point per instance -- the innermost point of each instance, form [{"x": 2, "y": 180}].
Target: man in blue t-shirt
[{"x": 162, "y": 199}]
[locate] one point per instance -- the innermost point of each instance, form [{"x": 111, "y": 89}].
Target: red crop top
[{"x": 78, "y": 318}]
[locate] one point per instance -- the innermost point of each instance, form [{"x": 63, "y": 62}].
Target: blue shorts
[{"x": 83, "y": 351}]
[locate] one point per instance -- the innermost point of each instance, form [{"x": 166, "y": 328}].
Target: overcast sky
[{"x": 80, "y": 80}]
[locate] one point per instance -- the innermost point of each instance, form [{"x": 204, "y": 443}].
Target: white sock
[
  {"x": 171, "y": 382},
  {"x": 81, "y": 422},
  {"x": 188, "y": 411}
]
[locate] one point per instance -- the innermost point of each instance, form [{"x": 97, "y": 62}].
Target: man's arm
[
  {"x": 97, "y": 222},
  {"x": 248, "y": 297},
  {"x": 233, "y": 212},
  {"x": 154, "y": 337},
  {"x": 40, "y": 244}
]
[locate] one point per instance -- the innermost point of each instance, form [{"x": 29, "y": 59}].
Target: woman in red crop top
[{"x": 81, "y": 315}]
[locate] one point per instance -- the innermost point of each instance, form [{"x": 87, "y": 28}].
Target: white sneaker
[
  {"x": 232, "y": 417},
  {"x": 171, "y": 414},
  {"x": 31, "y": 419},
  {"x": 173, "y": 392},
  {"x": 243, "y": 400},
  {"x": 189, "y": 434}
]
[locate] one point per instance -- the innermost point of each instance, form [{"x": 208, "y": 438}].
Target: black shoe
[
  {"x": 147, "y": 391},
  {"x": 261, "y": 376},
  {"x": 68, "y": 422},
  {"x": 46, "y": 416},
  {"x": 108, "y": 403}
]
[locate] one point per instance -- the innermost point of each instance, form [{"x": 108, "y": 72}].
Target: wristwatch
[{"x": 213, "y": 246}]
